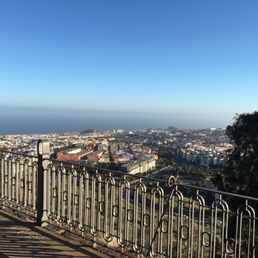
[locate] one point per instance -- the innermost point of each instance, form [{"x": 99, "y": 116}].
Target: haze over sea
[{"x": 40, "y": 120}]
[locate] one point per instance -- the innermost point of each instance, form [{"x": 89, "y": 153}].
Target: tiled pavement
[{"x": 22, "y": 239}]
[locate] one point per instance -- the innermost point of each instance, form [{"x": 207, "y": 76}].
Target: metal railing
[
  {"x": 155, "y": 218},
  {"x": 18, "y": 182}
]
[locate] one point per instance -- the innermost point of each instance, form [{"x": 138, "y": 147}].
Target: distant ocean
[
  {"x": 47, "y": 125},
  {"x": 26, "y": 121},
  {"x": 39, "y": 120}
]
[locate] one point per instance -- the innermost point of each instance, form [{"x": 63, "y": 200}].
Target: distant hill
[
  {"x": 87, "y": 131},
  {"x": 172, "y": 128}
]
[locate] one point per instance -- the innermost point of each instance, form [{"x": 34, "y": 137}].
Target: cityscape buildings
[{"x": 130, "y": 151}]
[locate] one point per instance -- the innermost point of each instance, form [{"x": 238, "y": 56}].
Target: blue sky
[{"x": 175, "y": 58}]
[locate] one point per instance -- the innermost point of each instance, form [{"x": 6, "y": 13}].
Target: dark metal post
[{"x": 43, "y": 162}]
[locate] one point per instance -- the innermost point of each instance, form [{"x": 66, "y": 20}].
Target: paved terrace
[{"x": 20, "y": 238}]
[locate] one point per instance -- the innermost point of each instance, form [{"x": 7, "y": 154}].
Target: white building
[{"x": 140, "y": 166}]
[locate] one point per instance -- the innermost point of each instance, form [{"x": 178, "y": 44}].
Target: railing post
[{"x": 43, "y": 162}]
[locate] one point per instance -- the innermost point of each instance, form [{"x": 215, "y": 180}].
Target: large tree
[{"x": 242, "y": 170}]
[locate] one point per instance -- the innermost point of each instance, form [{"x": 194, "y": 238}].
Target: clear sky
[{"x": 190, "y": 59}]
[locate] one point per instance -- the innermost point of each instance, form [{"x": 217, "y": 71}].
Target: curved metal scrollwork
[
  {"x": 245, "y": 228},
  {"x": 151, "y": 217},
  {"x": 124, "y": 205},
  {"x": 156, "y": 211},
  {"x": 139, "y": 207},
  {"x": 175, "y": 219},
  {"x": 219, "y": 225},
  {"x": 109, "y": 208}
]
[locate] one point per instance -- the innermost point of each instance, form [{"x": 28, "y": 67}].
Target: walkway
[{"x": 22, "y": 239}]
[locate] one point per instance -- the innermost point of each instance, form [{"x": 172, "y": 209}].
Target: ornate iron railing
[
  {"x": 155, "y": 218},
  {"x": 18, "y": 185}
]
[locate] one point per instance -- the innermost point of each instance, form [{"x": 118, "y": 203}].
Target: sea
[{"x": 14, "y": 120}]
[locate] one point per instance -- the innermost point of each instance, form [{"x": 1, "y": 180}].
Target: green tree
[{"x": 241, "y": 174}]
